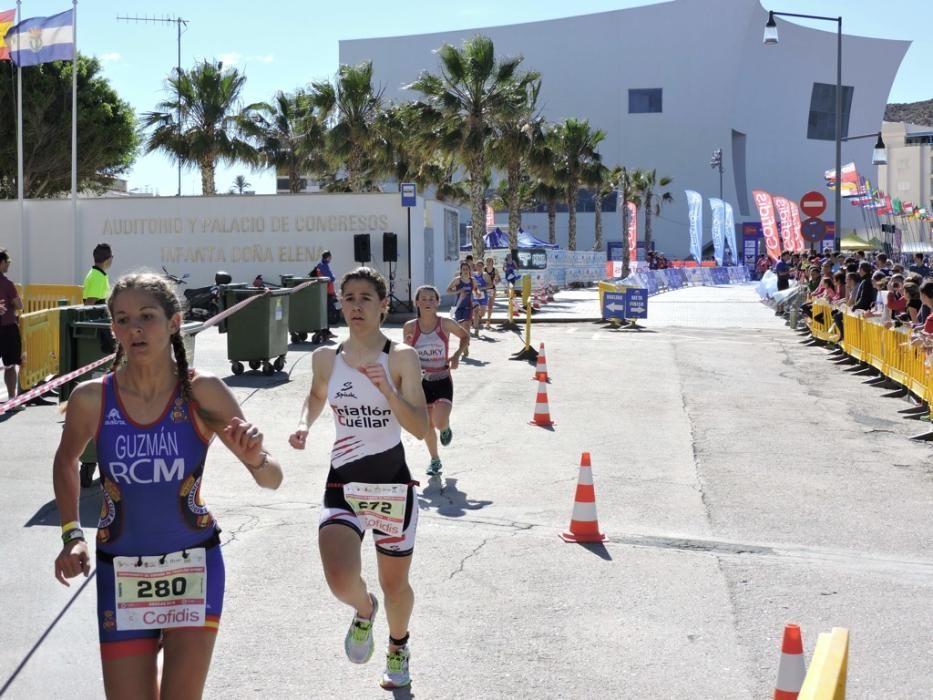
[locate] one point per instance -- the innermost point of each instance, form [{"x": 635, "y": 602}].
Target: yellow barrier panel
[
  {"x": 826, "y": 678},
  {"x": 821, "y": 323},
  {"x": 871, "y": 343},
  {"x": 896, "y": 355},
  {"x": 851, "y": 342},
  {"x": 40, "y": 333},
  {"x": 37, "y": 297},
  {"x": 918, "y": 374}
]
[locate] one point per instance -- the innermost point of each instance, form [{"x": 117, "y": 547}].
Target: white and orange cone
[
  {"x": 584, "y": 526},
  {"x": 541, "y": 367},
  {"x": 542, "y": 414},
  {"x": 792, "y": 669}
]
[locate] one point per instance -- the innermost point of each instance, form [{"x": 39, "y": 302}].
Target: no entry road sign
[{"x": 813, "y": 204}]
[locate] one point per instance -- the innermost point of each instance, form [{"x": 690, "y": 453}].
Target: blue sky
[{"x": 283, "y": 44}]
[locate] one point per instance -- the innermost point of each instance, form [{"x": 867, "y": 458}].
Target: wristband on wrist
[
  {"x": 262, "y": 463},
  {"x": 74, "y": 534},
  {"x": 70, "y": 526}
]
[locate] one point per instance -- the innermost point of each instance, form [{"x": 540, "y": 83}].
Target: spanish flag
[{"x": 7, "y": 18}]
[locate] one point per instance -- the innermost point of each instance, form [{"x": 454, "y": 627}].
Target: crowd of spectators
[{"x": 873, "y": 285}]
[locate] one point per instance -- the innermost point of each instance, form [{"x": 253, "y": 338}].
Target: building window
[
  {"x": 822, "y": 122},
  {"x": 644, "y": 100}
]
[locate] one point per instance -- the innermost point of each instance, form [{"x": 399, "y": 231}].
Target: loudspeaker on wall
[
  {"x": 361, "y": 250},
  {"x": 389, "y": 247}
]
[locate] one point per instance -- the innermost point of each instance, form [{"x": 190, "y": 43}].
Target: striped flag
[
  {"x": 42, "y": 39},
  {"x": 7, "y": 17}
]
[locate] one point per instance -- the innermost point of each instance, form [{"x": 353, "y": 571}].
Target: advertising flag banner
[
  {"x": 850, "y": 180},
  {"x": 768, "y": 223},
  {"x": 42, "y": 39},
  {"x": 632, "y": 232},
  {"x": 730, "y": 232},
  {"x": 718, "y": 212},
  {"x": 795, "y": 225},
  {"x": 695, "y": 214},
  {"x": 783, "y": 211}
]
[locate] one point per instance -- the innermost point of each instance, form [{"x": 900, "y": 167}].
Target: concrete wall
[
  {"x": 716, "y": 77},
  {"x": 246, "y": 236}
]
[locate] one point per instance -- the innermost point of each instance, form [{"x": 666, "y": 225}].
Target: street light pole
[
  {"x": 716, "y": 164},
  {"x": 771, "y": 39}
]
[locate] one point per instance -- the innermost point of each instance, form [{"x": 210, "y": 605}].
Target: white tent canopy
[{"x": 909, "y": 247}]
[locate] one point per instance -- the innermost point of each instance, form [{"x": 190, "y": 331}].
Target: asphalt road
[{"x": 742, "y": 480}]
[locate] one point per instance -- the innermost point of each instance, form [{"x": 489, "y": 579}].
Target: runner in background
[
  {"x": 152, "y": 420},
  {"x": 494, "y": 279},
  {"x": 373, "y": 387},
  {"x": 480, "y": 296},
  {"x": 462, "y": 285},
  {"x": 429, "y": 334}
]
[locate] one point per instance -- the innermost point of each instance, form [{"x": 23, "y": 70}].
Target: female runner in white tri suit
[
  {"x": 373, "y": 387},
  {"x": 429, "y": 334}
]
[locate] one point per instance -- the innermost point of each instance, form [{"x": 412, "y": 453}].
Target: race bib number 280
[
  {"x": 161, "y": 592},
  {"x": 379, "y": 506}
]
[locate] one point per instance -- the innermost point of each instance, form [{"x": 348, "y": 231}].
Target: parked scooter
[{"x": 202, "y": 302}]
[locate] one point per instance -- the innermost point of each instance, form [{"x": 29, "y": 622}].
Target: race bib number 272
[{"x": 380, "y": 507}]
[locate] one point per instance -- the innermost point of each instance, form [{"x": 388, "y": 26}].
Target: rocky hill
[{"x": 913, "y": 112}]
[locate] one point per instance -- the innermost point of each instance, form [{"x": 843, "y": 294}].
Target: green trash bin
[
  {"x": 307, "y": 309},
  {"x": 258, "y": 333},
  {"x": 68, "y": 360}
]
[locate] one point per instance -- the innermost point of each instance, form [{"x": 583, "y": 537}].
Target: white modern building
[
  {"x": 908, "y": 176},
  {"x": 671, "y": 82}
]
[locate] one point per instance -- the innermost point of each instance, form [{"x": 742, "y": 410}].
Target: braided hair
[{"x": 160, "y": 290}]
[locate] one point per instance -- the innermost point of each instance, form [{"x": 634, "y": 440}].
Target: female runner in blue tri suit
[
  {"x": 373, "y": 387},
  {"x": 480, "y": 296},
  {"x": 160, "y": 572},
  {"x": 462, "y": 285}
]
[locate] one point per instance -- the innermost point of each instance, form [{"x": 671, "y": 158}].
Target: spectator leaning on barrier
[
  {"x": 912, "y": 291},
  {"x": 322, "y": 269},
  {"x": 782, "y": 270},
  {"x": 865, "y": 292},
  {"x": 11, "y": 346},
  {"x": 96, "y": 283}
]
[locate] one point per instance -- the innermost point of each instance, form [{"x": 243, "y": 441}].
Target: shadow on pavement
[
  {"x": 402, "y": 693},
  {"x": 255, "y": 380},
  {"x": 472, "y": 361},
  {"x": 88, "y": 510},
  {"x": 442, "y": 495},
  {"x": 597, "y": 548}
]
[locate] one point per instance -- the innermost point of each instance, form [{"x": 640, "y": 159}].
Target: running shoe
[
  {"x": 359, "y": 640},
  {"x": 396, "y": 674},
  {"x": 434, "y": 469},
  {"x": 446, "y": 436}
]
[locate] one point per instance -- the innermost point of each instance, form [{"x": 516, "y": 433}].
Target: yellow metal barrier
[
  {"x": 896, "y": 356},
  {"x": 851, "y": 342},
  {"x": 873, "y": 352},
  {"x": 918, "y": 374},
  {"x": 821, "y": 323},
  {"x": 40, "y": 334},
  {"x": 826, "y": 678},
  {"x": 46, "y": 296}
]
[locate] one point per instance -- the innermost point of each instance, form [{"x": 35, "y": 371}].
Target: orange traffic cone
[
  {"x": 541, "y": 368},
  {"x": 793, "y": 668},
  {"x": 542, "y": 414},
  {"x": 584, "y": 527}
]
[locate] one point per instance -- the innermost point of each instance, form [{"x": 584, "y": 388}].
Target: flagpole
[
  {"x": 74, "y": 140},
  {"x": 20, "y": 188}
]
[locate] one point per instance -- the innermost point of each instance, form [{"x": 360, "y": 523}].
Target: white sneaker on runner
[
  {"x": 359, "y": 643},
  {"x": 396, "y": 674}
]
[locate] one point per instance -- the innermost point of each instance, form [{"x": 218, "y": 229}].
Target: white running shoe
[
  {"x": 359, "y": 643},
  {"x": 396, "y": 674}
]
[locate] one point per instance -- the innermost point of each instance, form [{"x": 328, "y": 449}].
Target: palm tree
[
  {"x": 603, "y": 181},
  {"x": 240, "y": 185},
  {"x": 510, "y": 149},
  {"x": 626, "y": 181},
  {"x": 352, "y": 105},
  {"x": 206, "y": 98},
  {"x": 462, "y": 105},
  {"x": 647, "y": 182},
  {"x": 543, "y": 162},
  {"x": 289, "y": 135},
  {"x": 574, "y": 144}
]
